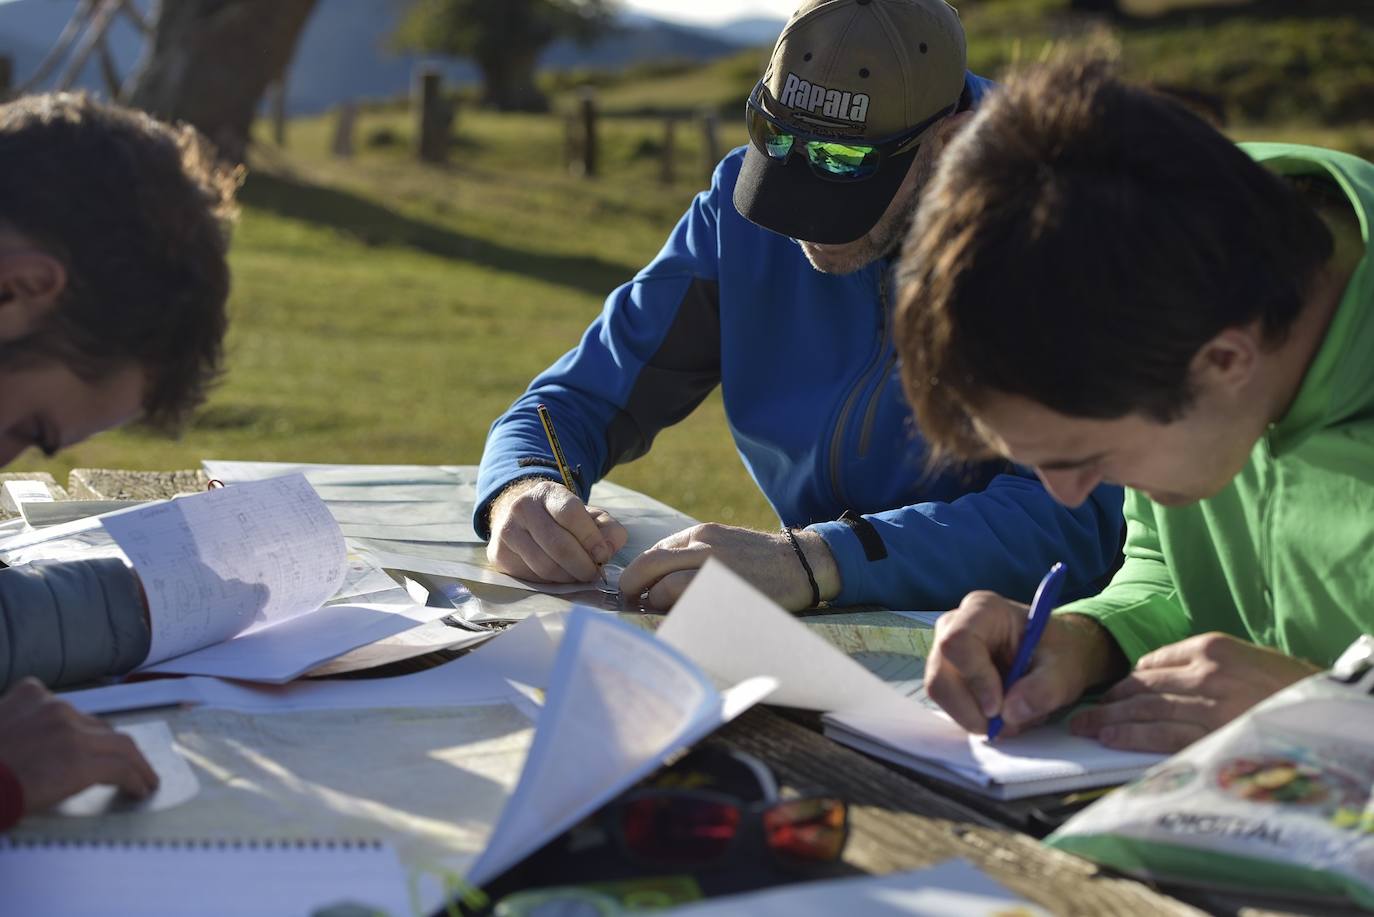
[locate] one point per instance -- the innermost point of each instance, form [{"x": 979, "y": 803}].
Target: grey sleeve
[{"x": 67, "y": 622}]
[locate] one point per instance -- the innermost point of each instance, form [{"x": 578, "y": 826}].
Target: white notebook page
[
  {"x": 231, "y": 560},
  {"x": 210, "y": 880}
]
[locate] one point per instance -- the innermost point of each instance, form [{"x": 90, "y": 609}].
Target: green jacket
[{"x": 1284, "y": 556}]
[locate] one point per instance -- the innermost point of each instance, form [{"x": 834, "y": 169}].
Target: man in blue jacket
[
  {"x": 113, "y": 281},
  {"x": 775, "y": 286}
]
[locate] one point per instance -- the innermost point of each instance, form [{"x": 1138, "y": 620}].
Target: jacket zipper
[{"x": 875, "y": 364}]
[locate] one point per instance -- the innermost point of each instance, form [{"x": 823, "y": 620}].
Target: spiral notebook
[
  {"x": 206, "y": 878},
  {"x": 871, "y": 702}
]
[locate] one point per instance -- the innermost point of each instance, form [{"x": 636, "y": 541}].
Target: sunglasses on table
[
  {"x": 692, "y": 828},
  {"x": 829, "y": 158}
]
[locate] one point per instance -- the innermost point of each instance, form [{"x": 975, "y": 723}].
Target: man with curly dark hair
[{"x": 113, "y": 281}]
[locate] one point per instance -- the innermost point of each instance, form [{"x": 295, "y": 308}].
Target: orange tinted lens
[
  {"x": 678, "y": 829},
  {"x": 806, "y": 830}
]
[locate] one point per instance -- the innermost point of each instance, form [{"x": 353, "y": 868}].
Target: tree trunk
[
  {"x": 210, "y": 61},
  {"x": 508, "y": 81}
]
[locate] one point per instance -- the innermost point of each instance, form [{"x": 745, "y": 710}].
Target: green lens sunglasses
[{"x": 829, "y": 158}]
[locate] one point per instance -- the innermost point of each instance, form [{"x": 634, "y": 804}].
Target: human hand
[
  {"x": 765, "y": 559},
  {"x": 541, "y": 531},
  {"x": 976, "y": 644},
  {"x": 1182, "y": 691},
  {"x": 54, "y": 751}
]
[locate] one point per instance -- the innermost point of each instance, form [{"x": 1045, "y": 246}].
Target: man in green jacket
[
  {"x": 1103, "y": 287},
  {"x": 113, "y": 281}
]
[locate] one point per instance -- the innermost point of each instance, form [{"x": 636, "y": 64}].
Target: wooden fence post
[
  {"x": 587, "y": 111},
  {"x": 276, "y": 98},
  {"x": 433, "y": 116},
  {"x": 572, "y": 144},
  {"x": 710, "y": 143},
  {"x": 6, "y": 76},
  {"x": 665, "y": 174},
  {"x": 342, "y": 147}
]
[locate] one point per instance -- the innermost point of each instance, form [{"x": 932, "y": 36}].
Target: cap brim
[{"x": 789, "y": 199}]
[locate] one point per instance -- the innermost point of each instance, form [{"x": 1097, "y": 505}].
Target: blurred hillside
[
  {"x": 344, "y": 52},
  {"x": 1309, "y": 62}
]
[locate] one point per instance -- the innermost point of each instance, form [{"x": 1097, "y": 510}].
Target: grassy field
[{"x": 385, "y": 311}]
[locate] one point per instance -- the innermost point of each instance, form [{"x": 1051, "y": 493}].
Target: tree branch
[{"x": 59, "y": 49}]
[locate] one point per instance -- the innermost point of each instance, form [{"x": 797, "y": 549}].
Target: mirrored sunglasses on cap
[{"x": 830, "y": 159}]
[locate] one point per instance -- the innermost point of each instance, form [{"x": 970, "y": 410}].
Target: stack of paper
[
  {"x": 250, "y": 582},
  {"x": 730, "y": 629}
]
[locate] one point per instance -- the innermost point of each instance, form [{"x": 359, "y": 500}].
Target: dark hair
[
  {"x": 1080, "y": 242},
  {"x": 138, "y": 212}
]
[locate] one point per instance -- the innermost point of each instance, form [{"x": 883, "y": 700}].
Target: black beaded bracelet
[{"x": 806, "y": 565}]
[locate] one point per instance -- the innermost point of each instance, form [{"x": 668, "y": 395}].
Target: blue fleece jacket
[{"x": 807, "y": 369}]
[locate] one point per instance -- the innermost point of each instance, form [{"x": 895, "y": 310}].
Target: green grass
[{"x": 385, "y": 311}]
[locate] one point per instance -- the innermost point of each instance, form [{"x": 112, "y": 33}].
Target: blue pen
[{"x": 1046, "y": 595}]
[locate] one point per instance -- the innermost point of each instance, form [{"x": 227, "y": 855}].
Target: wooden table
[{"x": 898, "y": 823}]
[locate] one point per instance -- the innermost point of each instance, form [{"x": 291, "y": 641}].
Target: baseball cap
[{"x": 857, "y": 70}]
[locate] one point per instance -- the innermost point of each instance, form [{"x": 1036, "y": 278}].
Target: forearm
[
  {"x": 68, "y": 623},
  {"x": 1003, "y": 539},
  {"x": 1103, "y": 660}
]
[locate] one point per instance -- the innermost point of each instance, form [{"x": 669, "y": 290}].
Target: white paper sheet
[
  {"x": 459, "y": 531},
  {"x": 231, "y": 561},
  {"x": 731, "y": 629},
  {"x": 290, "y": 648},
  {"x": 620, "y": 704},
  {"x": 394, "y": 493},
  {"x": 176, "y": 782},
  {"x": 26, "y": 537},
  {"x": 174, "y": 882},
  {"x": 524, "y": 653},
  {"x": 374, "y": 512},
  {"x": 418, "y": 641},
  {"x": 346, "y": 475},
  {"x": 424, "y": 558},
  {"x": 955, "y": 888}
]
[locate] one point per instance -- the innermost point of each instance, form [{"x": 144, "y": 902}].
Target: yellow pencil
[{"x": 558, "y": 456}]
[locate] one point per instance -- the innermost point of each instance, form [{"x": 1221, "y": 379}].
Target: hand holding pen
[
  {"x": 976, "y": 645},
  {"x": 1046, "y": 597}
]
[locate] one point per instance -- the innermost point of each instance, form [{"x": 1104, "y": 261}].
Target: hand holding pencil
[{"x": 542, "y": 531}]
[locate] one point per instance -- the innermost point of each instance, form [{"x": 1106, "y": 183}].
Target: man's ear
[
  {"x": 31, "y": 283},
  {"x": 1229, "y": 362}
]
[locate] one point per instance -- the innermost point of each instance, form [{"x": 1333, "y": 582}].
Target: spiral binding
[{"x": 218, "y": 845}]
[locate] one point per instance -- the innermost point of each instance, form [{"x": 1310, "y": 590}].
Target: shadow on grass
[{"x": 375, "y": 225}]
